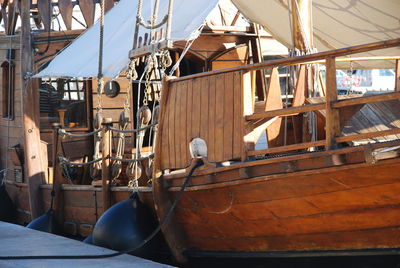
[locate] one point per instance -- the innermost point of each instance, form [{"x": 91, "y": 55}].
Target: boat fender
[
  {"x": 88, "y": 240},
  {"x": 125, "y": 225},
  {"x": 198, "y": 148},
  {"x": 44, "y": 223},
  {"x": 7, "y": 208}
]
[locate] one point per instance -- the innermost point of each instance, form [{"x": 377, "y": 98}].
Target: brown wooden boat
[{"x": 327, "y": 183}]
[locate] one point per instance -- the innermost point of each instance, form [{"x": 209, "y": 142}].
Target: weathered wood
[
  {"x": 171, "y": 125},
  {"x": 66, "y": 8},
  {"x": 108, "y": 4},
  {"x": 204, "y": 108},
  {"x": 247, "y": 108},
  {"x": 301, "y": 59},
  {"x": 184, "y": 144},
  {"x": 332, "y": 124},
  {"x": 105, "y": 165},
  {"x": 87, "y": 8},
  {"x": 46, "y": 12},
  {"x": 302, "y": 24},
  {"x": 34, "y": 172}
]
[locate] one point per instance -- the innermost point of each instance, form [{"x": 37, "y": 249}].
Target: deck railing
[{"x": 218, "y": 106}]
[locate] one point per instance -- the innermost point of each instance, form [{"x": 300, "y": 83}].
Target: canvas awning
[
  {"x": 80, "y": 58},
  {"x": 337, "y": 24}
]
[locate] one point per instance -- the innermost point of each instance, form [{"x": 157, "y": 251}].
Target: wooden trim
[
  {"x": 288, "y": 148},
  {"x": 368, "y": 135},
  {"x": 366, "y": 99},
  {"x": 287, "y": 111},
  {"x": 301, "y": 59},
  {"x": 332, "y": 122},
  {"x": 280, "y": 176}
]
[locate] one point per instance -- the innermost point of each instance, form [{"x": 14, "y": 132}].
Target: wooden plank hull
[{"x": 347, "y": 209}]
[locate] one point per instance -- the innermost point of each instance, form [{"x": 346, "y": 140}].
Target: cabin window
[
  {"x": 8, "y": 80},
  {"x": 63, "y": 101}
]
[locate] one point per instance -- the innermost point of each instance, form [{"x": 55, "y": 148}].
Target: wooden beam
[
  {"x": 288, "y": 148},
  {"x": 302, "y": 24},
  {"x": 34, "y": 172},
  {"x": 87, "y": 8},
  {"x": 301, "y": 59},
  {"x": 105, "y": 166},
  {"x": 397, "y": 76},
  {"x": 369, "y": 135},
  {"x": 287, "y": 111},
  {"x": 332, "y": 123},
  {"x": 45, "y": 12},
  {"x": 366, "y": 99}
]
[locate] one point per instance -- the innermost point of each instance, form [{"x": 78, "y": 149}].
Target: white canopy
[
  {"x": 337, "y": 24},
  {"x": 80, "y": 58}
]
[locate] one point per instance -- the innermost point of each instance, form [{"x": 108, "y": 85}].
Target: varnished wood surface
[
  {"x": 340, "y": 209},
  {"x": 213, "y": 113}
]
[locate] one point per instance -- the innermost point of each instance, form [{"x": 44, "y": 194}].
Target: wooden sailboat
[{"x": 323, "y": 186}]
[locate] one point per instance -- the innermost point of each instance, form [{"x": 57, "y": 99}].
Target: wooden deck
[{"x": 20, "y": 241}]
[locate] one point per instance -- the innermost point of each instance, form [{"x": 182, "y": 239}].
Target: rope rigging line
[
  {"x": 162, "y": 223},
  {"x": 64, "y": 133}
]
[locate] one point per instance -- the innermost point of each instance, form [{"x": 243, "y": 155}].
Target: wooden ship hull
[{"x": 330, "y": 191}]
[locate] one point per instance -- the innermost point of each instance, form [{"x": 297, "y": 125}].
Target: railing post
[
  {"x": 332, "y": 125},
  {"x": 105, "y": 167},
  {"x": 397, "y": 76}
]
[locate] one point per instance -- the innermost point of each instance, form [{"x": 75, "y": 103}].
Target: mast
[
  {"x": 34, "y": 172},
  {"x": 302, "y": 31}
]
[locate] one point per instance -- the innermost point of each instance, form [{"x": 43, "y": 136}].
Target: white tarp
[
  {"x": 80, "y": 58},
  {"x": 337, "y": 24}
]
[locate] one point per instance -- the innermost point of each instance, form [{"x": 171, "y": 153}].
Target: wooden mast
[
  {"x": 302, "y": 24},
  {"x": 34, "y": 172}
]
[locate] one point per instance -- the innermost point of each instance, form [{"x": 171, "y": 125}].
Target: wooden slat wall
[{"x": 209, "y": 108}]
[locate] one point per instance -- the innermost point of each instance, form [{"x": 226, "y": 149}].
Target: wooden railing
[{"x": 218, "y": 106}]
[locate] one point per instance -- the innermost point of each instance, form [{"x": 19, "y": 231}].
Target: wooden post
[
  {"x": 105, "y": 167},
  {"x": 57, "y": 177},
  {"x": 301, "y": 17},
  {"x": 397, "y": 76},
  {"x": 34, "y": 172},
  {"x": 332, "y": 125}
]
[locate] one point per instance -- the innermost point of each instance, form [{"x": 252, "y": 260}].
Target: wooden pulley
[
  {"x": 156, "y": 114},
  {"x": 144, "y": 115},
  {"x": 116, "y": 170},
  {"x": 95, "y": 170},
  {"x": 131, "y": 170},
  {"x": 149, "y": 169},
  {"x": 123, "y": 119},
  {"x": 97, "y": 121}
]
